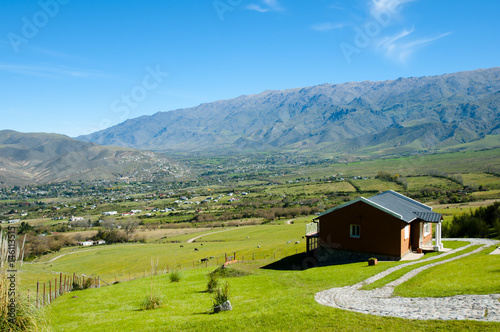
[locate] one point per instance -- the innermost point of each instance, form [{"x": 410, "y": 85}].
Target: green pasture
[
  {"x": 416, "y": 183},
  {"x": 377, "y": 185},
  {"x": 477, "y": 179},
  {"x": 457, "y": 162},
  {"x": 311, "y": 188},
  {"x": 264, "y": 300},
  {"x": 490, "y": 194},
  {"x": 115, "y": 262}
]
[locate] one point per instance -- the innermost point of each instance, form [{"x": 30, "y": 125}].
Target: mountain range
[
  {"x": 393, "y": 116},
  {"x": 31, "y": 158}
]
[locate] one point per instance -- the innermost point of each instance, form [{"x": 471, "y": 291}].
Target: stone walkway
[{"x": 381, "y": 301}]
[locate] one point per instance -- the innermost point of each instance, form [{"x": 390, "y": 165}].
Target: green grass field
[
  {"x": 115, "y": 262},
  {"x": 476, "y": 274},
  {"x": 265, "y": 299},
  {"x": 268, "y": 300}
]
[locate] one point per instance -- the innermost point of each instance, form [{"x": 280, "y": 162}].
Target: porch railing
[{"x": 312, "y": 228}]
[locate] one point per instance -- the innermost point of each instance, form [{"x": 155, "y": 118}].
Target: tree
[
  {"x": 129, "y": 226},
  {"x": 24, "y": 228},
  {"x": 109, "y": 223}
]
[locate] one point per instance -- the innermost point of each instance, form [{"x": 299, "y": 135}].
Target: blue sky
[{"x": 74, "y": 66}]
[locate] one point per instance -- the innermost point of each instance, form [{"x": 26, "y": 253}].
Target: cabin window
[
  {"x": 407, "y": 231},
  {"x": 427, "y": 228},
  {"x": 355, "y": 231}
]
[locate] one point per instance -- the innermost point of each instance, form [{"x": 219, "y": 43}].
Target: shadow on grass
[
  {"x": 302, "y": 261},
  {"x": 208, "y": 312},
  {"x": 305, "y": 261}
]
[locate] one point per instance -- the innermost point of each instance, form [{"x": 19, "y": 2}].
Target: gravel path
[
  {"x": 381, "y": 301},
  {"x": 191, "y": 240},
  {"x": 68, "y": 253}
]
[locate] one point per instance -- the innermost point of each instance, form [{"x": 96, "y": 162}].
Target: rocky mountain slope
[
  {"x": 30, "y": 158},
  {"x": 404, "y": 114}
]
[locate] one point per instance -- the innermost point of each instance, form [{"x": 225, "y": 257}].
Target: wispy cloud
[
  {"x": 274, "y": 4},
  {"x": 265, "y": 6},
  {"x": 50, "y": 71},
  {"x": 257, "y": 8},
  {"x": 327, "y": 26},
  {"x": 401, "y": 46},
  {"x": 378, "y": 7},
  {"x": 389, "y": 44}
]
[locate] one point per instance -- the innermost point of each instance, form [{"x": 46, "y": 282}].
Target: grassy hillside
[
  {"x": 270, "y": 300},
  {"x": 263, "y": 298},
  {"x": 115, "y": 262}
]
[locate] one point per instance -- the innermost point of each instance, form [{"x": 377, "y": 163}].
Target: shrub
[
  {"x": 482, "y": 223},
  {"x": 229, "y": 272},
  {"x": 88, "y": 283},
  {"x": 175, "y": 276},
  {"x": 221, "y": 295},
  {"x": 111, "y": 236},
  {"x": 212, "y": 282},
  {"x": 76, "y": 286},
  {"x": 152, "y": 301}
]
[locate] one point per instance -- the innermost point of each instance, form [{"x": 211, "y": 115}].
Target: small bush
[
  {"x": 212, "y": 282},
  {"x": 76, "y": 286},
  {"x": 229, "y": 272},
  {"x": 88, "y": 283},
  {"x": 152, "y": 301},
  {"x": 221, "y": 295},
  {"x": 175, "y": 276}
]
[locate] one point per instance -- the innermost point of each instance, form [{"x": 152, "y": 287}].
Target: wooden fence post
[
  {"x": 37, "y": 290},
  {"x": 50, "y": 291},
  {"x": 61, "y": 289},
  {"x": 43, "y": 300}
]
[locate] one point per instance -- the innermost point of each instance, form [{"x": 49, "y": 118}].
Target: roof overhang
[
  {"x": 364, "y": 200},
  {"x": 429, "y": 216}
]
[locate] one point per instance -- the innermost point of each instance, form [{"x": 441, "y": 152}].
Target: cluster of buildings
[{"x": 91, "y": 243}]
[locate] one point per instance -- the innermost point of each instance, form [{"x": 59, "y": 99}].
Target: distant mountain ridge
[
  {"x": 33, "y": 158},
  {"x": 402, "y": 114}
]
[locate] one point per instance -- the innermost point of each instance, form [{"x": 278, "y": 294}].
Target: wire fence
[{"x": 47, "y": 292}]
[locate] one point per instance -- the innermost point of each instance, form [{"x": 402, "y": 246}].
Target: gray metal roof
[
  {"x": 397, "y": 205},
  {"x": 362, "y": 199},
  {"x": 408, "y": 208},
  {"x": 429, "y": 216}
]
